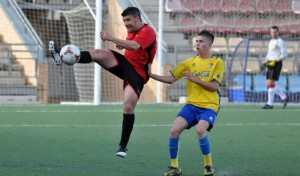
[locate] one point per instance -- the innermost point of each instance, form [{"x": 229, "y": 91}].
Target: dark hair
[
  {"x": 207, "y": 34},
  {"x": 133, "y": 11},
  {"x": 275, "y": 28}
]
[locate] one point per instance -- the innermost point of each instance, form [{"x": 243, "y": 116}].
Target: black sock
[
  {"x": 85, "y": 57},
  {"x": 127, "y": 126}
]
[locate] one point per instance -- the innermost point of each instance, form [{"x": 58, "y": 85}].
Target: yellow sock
[
  {"x": 207, "y": 160},
  {"x": 174, "y": 162}
]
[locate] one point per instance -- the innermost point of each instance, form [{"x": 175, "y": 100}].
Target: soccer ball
[{"x": 70, "y": 54}]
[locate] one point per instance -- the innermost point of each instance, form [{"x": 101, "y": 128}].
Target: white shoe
[
  {"x": 121, "y": 152},
  {"x": 54, "y": 52}
]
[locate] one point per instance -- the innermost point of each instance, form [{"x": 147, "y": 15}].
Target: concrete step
[
  {"x": 18, "y": 100},
  {"x": 12, "y": 74},
  {"x": 12, "y": 81},
  {"x": 17, "y": 67},
  {"x": 18, "y": 90},
  {"x": 4, "y": 60}
]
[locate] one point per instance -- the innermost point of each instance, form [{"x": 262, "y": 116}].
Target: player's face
[
  {"x": 274, "y": 33},
  {"x": 203, "y": 44},
  {"x": 130, "y": 23}
]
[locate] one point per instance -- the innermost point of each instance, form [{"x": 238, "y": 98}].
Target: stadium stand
[
  {"x": 261, "y": 25},
  {"x": 243, "y": 25},
  {"x": 264, "y": 6},
  {"x": 173, "y": 6},
  {"x": 228, "y": 6},
  {"x": 210, "y": 5},
  {"x": 245, "y": 6},
  {"x": 282, "y": 6},
  {"x": 191, "y": 5},
  {"x": 225, "y": 24}
]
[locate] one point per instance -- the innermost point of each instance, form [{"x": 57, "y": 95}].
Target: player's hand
[
  {"x": 105, "y": 36},
  {"x": 189, "y": 76}
]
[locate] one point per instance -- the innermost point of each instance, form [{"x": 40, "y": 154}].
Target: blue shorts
[{"x": 193, "y": 114}]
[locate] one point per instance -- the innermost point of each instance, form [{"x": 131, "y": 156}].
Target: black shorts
[
  {"x": 273, "y": 73},
  {"x": 124, "y": 70}
]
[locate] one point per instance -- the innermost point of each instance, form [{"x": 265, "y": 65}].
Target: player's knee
[
  {"x": 174, "y": 132},
  {"x": 128, "y": 108},
  {"x": 201, "y": 132}
]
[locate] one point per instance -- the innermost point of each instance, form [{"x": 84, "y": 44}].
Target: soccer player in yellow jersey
[{"x": 203, "y": 75}]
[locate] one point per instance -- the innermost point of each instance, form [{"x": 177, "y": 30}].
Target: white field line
[
  {"x": 150, "y": 125},
  {"x": 152, "y": 111}
]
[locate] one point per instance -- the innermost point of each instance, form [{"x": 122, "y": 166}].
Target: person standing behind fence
[{"x": 276, "y": 53}]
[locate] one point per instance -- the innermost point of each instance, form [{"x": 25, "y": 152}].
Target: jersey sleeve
[
  {"x": 219, "y": 71},
  {"x": 177, "y": 72},
  {"x": 145, "y": 37},
  {"x": 283, "y": 50}
]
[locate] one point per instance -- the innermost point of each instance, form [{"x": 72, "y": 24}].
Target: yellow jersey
[{"x": 205, "y": 70}]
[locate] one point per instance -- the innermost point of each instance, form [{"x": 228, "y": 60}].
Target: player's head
[
  {"x": 204, "y": 42},
  {"x": 132, "y": 11},
  {"x": 207, "y": 35},
  {"x": 274, "y": 31},
  {"x": 132, "y": 19}
]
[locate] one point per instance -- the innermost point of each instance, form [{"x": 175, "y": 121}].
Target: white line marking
[
  {"x": 140, "y": 111},
  {"x": 151, "y": 125}
]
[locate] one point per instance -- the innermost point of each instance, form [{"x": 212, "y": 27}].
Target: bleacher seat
[
  {"x": 219, "y": 45},
  {"x": 282, "y": 6},
  {"x": 228, "y": 6},
  {"x": 261, "y": 25},
  {"x": 233, "y": 42},
  {"x": 243, "y": 25},
  {"x": 282, "y": 23},
  {"x": 294, "y": 25},
  {"x": 225, "y": 24},
  {"x": 245, "y": 6},
  {"x": 188, "y": 24},
  {"x": 264, "y": 6},
  {"x": 208, "y": 23},
  {"x": 252, "y": 65},
  {"x": 292, "y": 46},
  {"x": 257, "y": 47},
  {"x": 173, "y": 6},
  {"x": 210, "y": 5},
  {"x": 191, "y": 5},
  {"x": 289, "y": 65}
]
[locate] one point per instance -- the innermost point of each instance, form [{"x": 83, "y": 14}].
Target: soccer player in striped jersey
[{"x": 203, "y": 74}]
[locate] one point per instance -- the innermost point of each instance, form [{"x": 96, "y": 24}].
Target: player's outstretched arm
[
  {"x": 211, "y": 86},
  {"x": 165, "y": 79}
]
